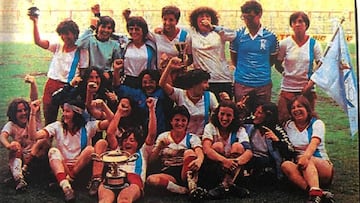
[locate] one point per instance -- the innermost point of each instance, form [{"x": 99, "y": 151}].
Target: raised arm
[
  {"x": 113, "y": 126},
  {"x": 150, "y": 138},
  {"x": 174, "y": 63},
  {"x": 109, "y": 115},
  {"x": 33, "y": 133},
  {"x": 118, "y": 66},
  {"x": 38, "y": 41}
]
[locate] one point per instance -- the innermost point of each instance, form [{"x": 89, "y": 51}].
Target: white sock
[
  {"x": 64, "y": 184},
  {"x": 15, "y": 167},
  {"x": 172, "y": 187}
]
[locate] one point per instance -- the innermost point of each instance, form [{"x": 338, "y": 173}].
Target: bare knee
[{"x": 218, "y": 147}]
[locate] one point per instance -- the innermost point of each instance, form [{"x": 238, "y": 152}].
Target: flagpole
[{"x": 332, "y": 40}]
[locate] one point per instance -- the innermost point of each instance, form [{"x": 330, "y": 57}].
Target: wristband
[{"x": 97, "y": 14}]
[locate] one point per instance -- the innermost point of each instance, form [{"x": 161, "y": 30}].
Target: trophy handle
[{"x": 133, "y": 157}]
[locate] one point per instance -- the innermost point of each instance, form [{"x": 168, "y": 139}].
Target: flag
[{"x": 336, "y": 77}]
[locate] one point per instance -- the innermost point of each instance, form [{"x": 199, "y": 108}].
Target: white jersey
[
  {"x": 60, "y": 64},
  {"x": 208, "y": 55},
  {"x": 68, "y": 144},
  {"x": 173, "y": 154},
  {"x": 197, "y": 111},
  {"x": 212, "y": 133},
  {"x": 296, "y": 63},
  {"x": 301, "y": 140},
  {"x": 135, "y": 60}
]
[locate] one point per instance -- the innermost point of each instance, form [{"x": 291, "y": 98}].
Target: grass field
[{"x": 16, "y": 60}]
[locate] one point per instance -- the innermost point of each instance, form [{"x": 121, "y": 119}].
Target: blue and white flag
[{"x": 336, "y": 77}]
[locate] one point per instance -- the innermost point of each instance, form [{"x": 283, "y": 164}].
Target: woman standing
[
  {"x": 296, "y": 57},
  {"x": 312, "y": 167},
  {"x": 67, "y": 62},
  {"x": 140, "y": 53}
]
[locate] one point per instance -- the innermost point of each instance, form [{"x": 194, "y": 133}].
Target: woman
[
  {"x": 132, "y": 141},
  {"x": 312, "y": 167},
  {"x": 269, "y": 142},
  {"x": 73, "y": 141},
  {"x": 226, "y": 144},
  {"x": 149, "y": 88},
  {"x": 207, "y": 49},
  {"x": 22, "y": 149},
  {"x": 127, "y": 116},
  {"x": 68, "y": 61},
  {"x": 140, "y": 53},
  {"x": 181, "y": 155},
  {"x": 296, "y": 57},
  {"x": 195, "y": 98}
]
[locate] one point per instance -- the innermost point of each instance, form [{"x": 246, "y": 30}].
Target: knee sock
[
  {"x": 172, "y": 187},
  {"x": 15, "y": 167}
]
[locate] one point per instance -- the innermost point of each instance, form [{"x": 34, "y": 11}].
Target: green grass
[{"x": 17, "y": 59}]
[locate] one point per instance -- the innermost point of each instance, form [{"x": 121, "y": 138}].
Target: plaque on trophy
[
  {"x": 116, "y": 178},
  {"x": 180, "y": 47}
]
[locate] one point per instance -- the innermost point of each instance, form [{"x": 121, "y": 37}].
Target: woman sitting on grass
[
  {"x": 312, "y": 167},
  {"x": 181, "y": 155},
  {"x": 22, "y": 148},
  {"x": 73, "y": 141},
  {"x": 226, "y": 145}
]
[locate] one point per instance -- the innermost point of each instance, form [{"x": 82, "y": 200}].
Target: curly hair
[
  {"x": 235, "y": 123},
  {"x": 192, "y": 78},
  {"x": 168, "y": 10},
  {"x": 12, "y": 109},
  {"x": 68, "y": 26},
  {"x": 201, "y": 10},
  {"x": 271, "y": 115},
  {"x": 154, "y": 75}
]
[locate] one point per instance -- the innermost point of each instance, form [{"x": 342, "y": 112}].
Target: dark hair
[
  {"x": 104, "y": 20},
  {"x": 198, "y": 11},
  {"x": 249, "y": 6},
  {"x": 182, "y": 110},
  {"x": 305, "y": 102},
  {"x": 12, "y": 109},
  {"x": 138, "y": 135},
  {"x": 194, "y": 77},
  {"x": 298, "y": 14},
  {"x": 171, "y": 10},
  {"x": 68, "y": 26},
  {"x": 235, "y": 123},
  {"x": 78, "y": 119},
  {"x": 83, "y": 84},
  {"x": 139, "y": 21},
  {"x": 271, "y": 115},
  {"x": 154, "y": 75}
]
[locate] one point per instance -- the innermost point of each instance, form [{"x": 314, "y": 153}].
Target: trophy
[
  {"x": 116, "y": 178},
  {"x": 33, "y": 11},
  {"x": 180, "y": 47}
]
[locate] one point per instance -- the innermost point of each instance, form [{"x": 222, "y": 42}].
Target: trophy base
[{"x": 115, "y": 183}]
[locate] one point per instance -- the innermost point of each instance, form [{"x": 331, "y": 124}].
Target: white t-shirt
[
  {"x": 296, "y": 63},
  {"x": 212, "y": 133},
  {"x": 68, "y": 144},
  {"x": 135, "y": 60},
  {"x": 300, "y": 140},
  {"x": 20, "y": 135},
  {"x": 164, "y": 45},
  {"x": 197, "y": 111},
  {"x": 208, "y": 55},
  {"x": 173, "y": 154},
  {"x": 61, "y": 61}
]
